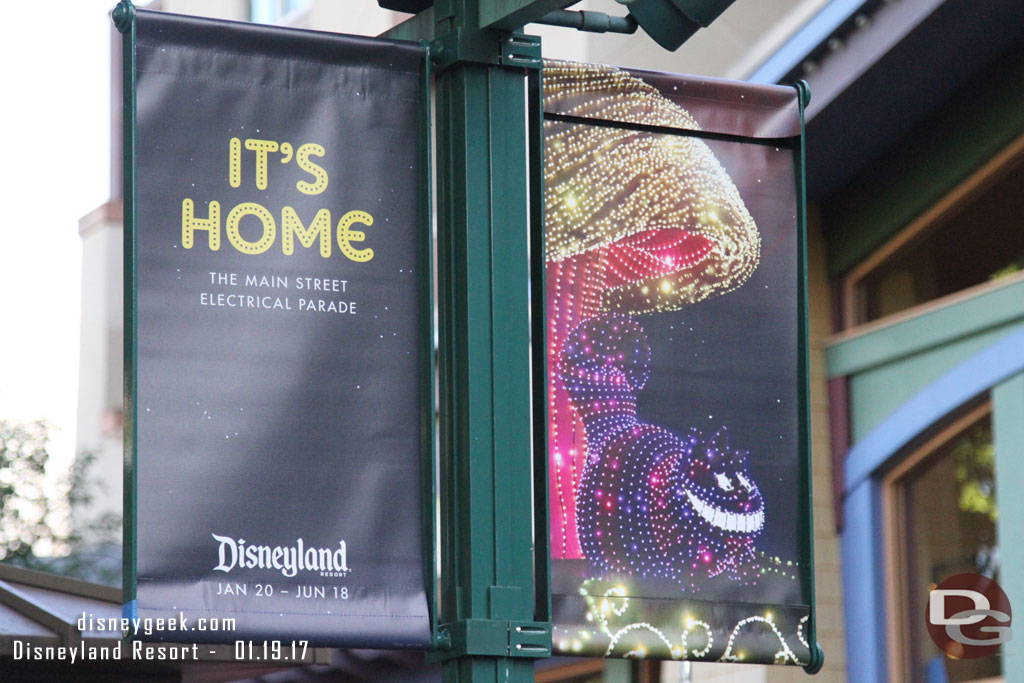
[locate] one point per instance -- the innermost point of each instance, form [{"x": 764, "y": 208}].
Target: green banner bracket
[
  {"x": 497, "y": 48},
  {"x": 817, "y": 659},
  {"x": 492, "y": 638}
]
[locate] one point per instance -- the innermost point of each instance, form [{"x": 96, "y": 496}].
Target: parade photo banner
[
  {"x": 277, "y": 357},
  {"x": 677, "y": 456}
]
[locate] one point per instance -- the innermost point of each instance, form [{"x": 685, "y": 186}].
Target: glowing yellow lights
[
  {"x": 636, "y": 222},
  {"x": 606, "y": 184},
  {"x": 639, "y": 222},
  {"x": 646, "y": 639},
  {"x": 800, "y": 632}
]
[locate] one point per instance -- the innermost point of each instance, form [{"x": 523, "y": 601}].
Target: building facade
[
  {"x": 915, "y": 177},
  {"x": 915, "y": 142}
]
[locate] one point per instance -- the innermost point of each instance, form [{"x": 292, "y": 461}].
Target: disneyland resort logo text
[{"x": 289, "y": 560}]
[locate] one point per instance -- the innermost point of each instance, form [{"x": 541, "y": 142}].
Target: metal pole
[
  {"x": 488, "y": 608},
  {"x": 593, "y": 22}
]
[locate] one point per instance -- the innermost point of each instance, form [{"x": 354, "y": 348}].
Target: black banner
[
  {"x": 278, "y": 284},
  {"x": 677, "y": 458}
]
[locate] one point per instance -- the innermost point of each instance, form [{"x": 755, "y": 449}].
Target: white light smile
[{"x": 736, "y": 522}]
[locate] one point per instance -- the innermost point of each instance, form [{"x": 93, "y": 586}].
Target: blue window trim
[
  {"x": 862, "y": 539},
  {"x": 864, "y": 607},
  {"x": 979, "y": 373},
  {"x": 813, "y": 34}
]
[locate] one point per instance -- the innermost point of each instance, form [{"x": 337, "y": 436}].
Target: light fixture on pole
[{"x": 671, "y": 22}]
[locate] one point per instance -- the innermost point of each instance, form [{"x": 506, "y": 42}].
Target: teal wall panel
[
  {"x": 991, "y": 308},
  {"x": 875, "y": 394},
  {"x": 903, "y": 378},
  {"x": 976, "y": 375},
  {"x": 889, "y": 365},
  {"x": 1008, "y": 428},
  {"x": 999, "y": 368}
]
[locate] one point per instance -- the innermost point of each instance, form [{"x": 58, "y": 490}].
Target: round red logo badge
[{"x": 968, "y": 616}]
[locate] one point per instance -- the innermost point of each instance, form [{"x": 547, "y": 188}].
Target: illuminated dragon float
[{"x": 637, "y": 222}]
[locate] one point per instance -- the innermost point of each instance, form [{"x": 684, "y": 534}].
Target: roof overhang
[{"x": 876, "y": 68}]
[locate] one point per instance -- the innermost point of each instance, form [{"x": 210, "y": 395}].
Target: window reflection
[
  {"x": 980, "y": 240},
  {"x": 946, "y": 514}
]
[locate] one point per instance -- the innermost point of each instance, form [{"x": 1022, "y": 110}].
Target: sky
[{"x": 56, "y": 74}]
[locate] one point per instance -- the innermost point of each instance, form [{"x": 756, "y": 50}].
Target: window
[
  {"x": 941, "y": 511},
  {"x": 972, "y": 236}
]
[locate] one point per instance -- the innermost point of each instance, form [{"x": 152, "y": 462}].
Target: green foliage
[
  {"x": 1011, "y": 268},
  {"x": 1007, "y": 271},
  {"x": 36, "y": 508},
  {"x": 82, "y": 490},
  {"x": 28, "y": 516},
  {"x": 974, "y": 457}
]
